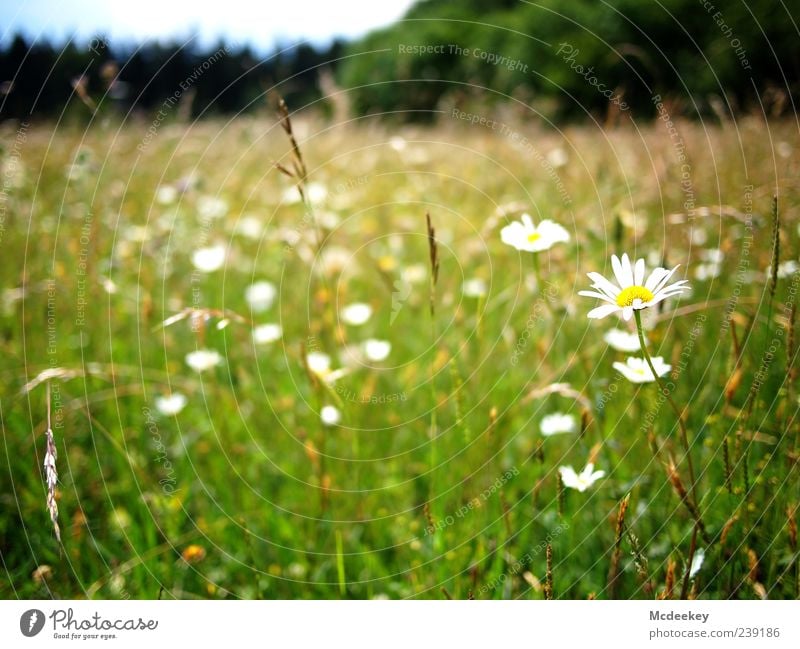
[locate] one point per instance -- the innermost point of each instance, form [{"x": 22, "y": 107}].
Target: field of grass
[{"x": 436, "y": 481}]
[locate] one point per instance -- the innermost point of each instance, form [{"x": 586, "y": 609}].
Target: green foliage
[{"x": 676, "y": 48}]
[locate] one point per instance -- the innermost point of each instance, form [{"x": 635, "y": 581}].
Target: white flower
[
  {"x": 580, "y": 481},
  {"x": 474, "y": 287},
  {"x": 636, "y": 369},
  {"x": 526, "y": 236},
  {"x": 622, "y": 341},
  {"x": 377, "y": 350},
  {"x": 415, "y": 273},
  {"x": 785, "y": 269},
  {"x": 203, "y": 359},
  {"x": 267, "y": 333},
  {"x": 397, "y": 143},
  {"x": 319, "y": 364},
  {"x": 207, "y": 260},
  {"x": 712, "y": 255},
  {"x": 171, "y": 404},
  {"x": 211, "y": 207},
  {"x": 703, "y": 272},
  {"x": 166, "y": 194},
  {"x": 250, "y": 227},
  {"x": 556, "y": 423},
  {"x": 697, "y": 562},
  {"x": 330, "y": 415},
  {"x": 557, "y": 158},
  {"x": 633, "y": 293},
  {"x": 356, "y": 314},
  {"x": 260, "y": 295},
  {"x": 315, "y": 193}
]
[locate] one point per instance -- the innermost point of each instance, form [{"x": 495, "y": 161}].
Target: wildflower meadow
[{"x": 279, "y": 357}]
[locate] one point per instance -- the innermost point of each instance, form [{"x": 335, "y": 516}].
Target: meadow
[{"x": 360, "y": 422}]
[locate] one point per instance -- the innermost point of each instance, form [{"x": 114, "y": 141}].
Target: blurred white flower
[
  {"x": 203, "y": 359},
  {"x": 636, "y": 370},
  {"x": 557, "y": 158},
  {"x": 377, "y": 350},
  {"x": 166, "y": 194},
  {"x": 524, "y": 235},
  {"x": 697, "y": 562},
  {"x": 397, "y": 143},
  {"x": 557, "y": 423},
  {"x": 474, "y": 287},
  {"x": 334, "y": 259},
  {"x": 330, "y": 415},
  {"x": 415, "y": 273},
  {"x": 250, "y": 227},
  {"x": 315, "y": 193},
  {"x": 209, "y": 259},
  {"x": 319, "y": 364},
  {"x": 712, "y": 255},
  {"x": 580, "y": 481},
  {"x": 703, "y": 272},
  {"x": 633, "y": 293},
  {"x": 260, "y": 295},
  {"x": 356, "y": 314},
  {"x": 267, "y": 333},
  {"x": 211, "y": 207},
  {"x": 171, "y": 404},
  {"x": 108, "y": 285},
  {"x": 785, "y": 268},
  {"x": 622, "y": 341}
]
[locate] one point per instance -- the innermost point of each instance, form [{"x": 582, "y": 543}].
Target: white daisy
[
  {"x": 171, "y": 404},
  {"x": 203, "y": 359},
  {"x": 356, "y": 314},
  {"x": 580, "y": 481},
  {"x": 526, "y": 236},
  {"x": 633, "y": 293},
  {"x": 377, "y": 350},
  {"x": 209, "y": 259},
  {"x": 474, "y": 287},
  {"x": 636, "y": 370},
  {"x": 267, "y": 333},
  {"x": 622, "y": 341},
  {"x": 557, "y": 423},
  {"x": 330, "y": 415},
  {"x": 260, "y": 295}
]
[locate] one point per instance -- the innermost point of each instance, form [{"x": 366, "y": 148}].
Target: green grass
[{"x": 282, "y": 507}]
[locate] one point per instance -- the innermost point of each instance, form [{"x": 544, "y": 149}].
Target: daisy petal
[
  {"x": 638, "y": 272},
  {"x": 602, "y": 311},
  {"x": 601, "y": 296},
  {"x": 603, "y": 284}
]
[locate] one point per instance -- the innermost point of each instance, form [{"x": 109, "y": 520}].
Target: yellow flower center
[
  {"x": 534, "y": 237},
  {"x": 628, "y": 295}
]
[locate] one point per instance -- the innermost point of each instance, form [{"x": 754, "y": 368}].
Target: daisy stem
[
  {"x": 539, "y": 283},
  {"x": 665, "y": 392}
]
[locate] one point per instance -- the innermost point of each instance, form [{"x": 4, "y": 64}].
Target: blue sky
[{"x": 261, "y": 23}]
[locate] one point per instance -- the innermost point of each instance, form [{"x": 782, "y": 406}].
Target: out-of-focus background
[
  {"x": 131, "y": 57},
  {"x": 238, "y": 361}
]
